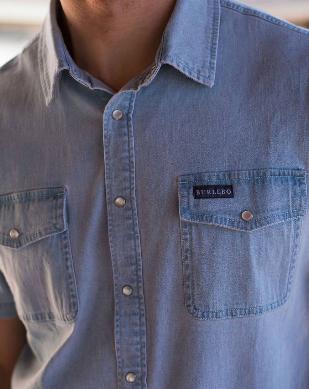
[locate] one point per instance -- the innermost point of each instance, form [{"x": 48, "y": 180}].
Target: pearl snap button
[
  {"x": 117, "y": 114},
  {"x": 120, "y": 201},
  {"x": 130, "y": 377},
  {"x": 246, "y": 215},
  {"x": 14, "y": 233},
  {"x": 127, "y": 290}
]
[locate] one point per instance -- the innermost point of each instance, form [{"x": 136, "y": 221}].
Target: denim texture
[
  {"x": 219, "y": 301},
  {"x": 39, "y": 261},
  {"x": 227, "y": 261}
]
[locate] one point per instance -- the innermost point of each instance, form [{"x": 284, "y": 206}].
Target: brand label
[{"x": 212, "y": 191}]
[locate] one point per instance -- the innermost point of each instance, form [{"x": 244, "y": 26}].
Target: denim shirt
[{"x": 157, "y": 237}]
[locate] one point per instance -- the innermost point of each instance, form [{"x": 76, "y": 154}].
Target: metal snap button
[
  {"x": 14, "y": 233},
  {"x": 117, "y": 114},
  {"x": 120, "y": 201},
  {"x": 127, "y": 290},
  {"x": 130, "y": 377},
  {"x": 246, "y": 215}
]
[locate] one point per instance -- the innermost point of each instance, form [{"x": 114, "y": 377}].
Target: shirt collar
[{"x": 189, "y": 44}]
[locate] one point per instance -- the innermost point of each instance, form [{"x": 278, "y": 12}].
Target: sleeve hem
[{"x": 8, "y": 310}]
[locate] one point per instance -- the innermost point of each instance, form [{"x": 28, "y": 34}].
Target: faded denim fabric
[{"x": 210, "y": 159}]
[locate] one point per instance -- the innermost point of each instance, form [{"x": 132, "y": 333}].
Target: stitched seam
[
  {"x": 214, "y": 39},
  {"x": 255, "y": 309},
  {"x": 232, "y": 223},
  {"x": 299, "y": 185},
  {"x": 214, "y": 177},
  {"x": 198, "y": 73},
  {"x": 142, "y": 341},
  {"x": 29, "y": 238},
  {"x": 41, "y": 68},
  {"x": 71, "y": 282},
  {"x": 192, "y": 71},
  {"x": 30, "y": 195},
  {"x": 192, "y": 272},
  {"x": 185, "y": 263},
  {"x": 44, "y": 317},
  {"x": 106, "y": 144},
  {"x": 195, "y": 216},
  {"x": 232, "y": 179},
  {"x": 66, "y": 255},
  {"x": 263, "y": 16}
]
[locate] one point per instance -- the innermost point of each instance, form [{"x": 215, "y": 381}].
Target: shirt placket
[{"x": 124, "y": 241}]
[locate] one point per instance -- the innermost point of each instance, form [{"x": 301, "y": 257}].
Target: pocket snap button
[
  {"x": 246, "y": 215},
  {"x": 14, "y": 233}
]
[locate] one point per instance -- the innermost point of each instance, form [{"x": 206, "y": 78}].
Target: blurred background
[{"x": 21, "y": 19}]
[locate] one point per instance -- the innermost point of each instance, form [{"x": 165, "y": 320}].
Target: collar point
[{"x": 207, "y": 79}]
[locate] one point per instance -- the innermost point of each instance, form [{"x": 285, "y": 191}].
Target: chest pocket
[
  {"x": 35, "y": 254},
  {"x": 239, "y": 236}
]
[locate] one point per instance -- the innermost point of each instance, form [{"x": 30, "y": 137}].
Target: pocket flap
[
  {"x": 269, "y": 195},
  {"x": 29, "y": 215}
]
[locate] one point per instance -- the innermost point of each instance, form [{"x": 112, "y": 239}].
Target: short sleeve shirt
[{"x": 156, "y": 237}]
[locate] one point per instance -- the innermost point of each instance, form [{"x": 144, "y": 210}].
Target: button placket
[{"x": 123, "y": 231}]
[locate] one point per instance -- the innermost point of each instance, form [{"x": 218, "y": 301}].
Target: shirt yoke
[{"x": 248, "y": 10}]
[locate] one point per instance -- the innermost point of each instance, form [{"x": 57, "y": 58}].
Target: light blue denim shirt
[{"x": 157, "y": 237}]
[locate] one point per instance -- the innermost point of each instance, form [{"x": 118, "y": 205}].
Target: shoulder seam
[
  {"x": 247, "y": 10},
  {"x": 32, "y": 42},
  {"x": 12, "y": 61}
]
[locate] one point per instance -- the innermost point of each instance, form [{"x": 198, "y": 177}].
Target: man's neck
[{"x": 114, "y": 40}]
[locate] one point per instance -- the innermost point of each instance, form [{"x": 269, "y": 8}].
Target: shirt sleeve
[{"x": 7, "y": 303}]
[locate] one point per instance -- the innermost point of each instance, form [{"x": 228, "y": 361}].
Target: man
[{"x": 153, "y": 199}]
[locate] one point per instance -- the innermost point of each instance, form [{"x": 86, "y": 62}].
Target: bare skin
[
  {"x": 114, "y": 40},
  {"x": 13, "y": 339}
]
